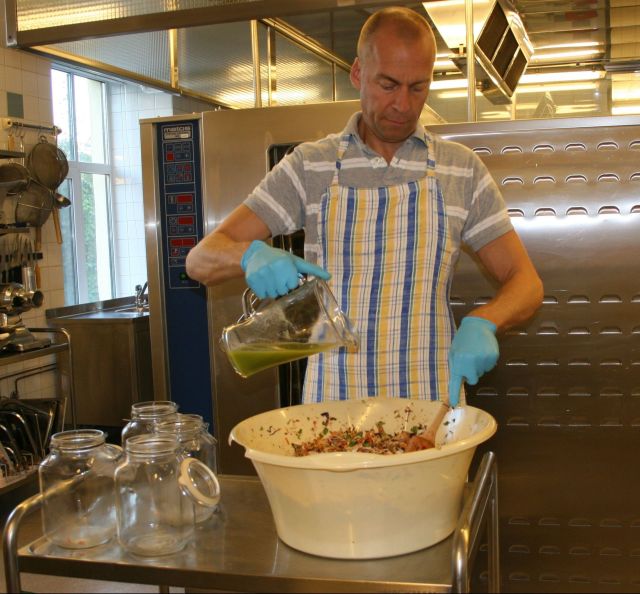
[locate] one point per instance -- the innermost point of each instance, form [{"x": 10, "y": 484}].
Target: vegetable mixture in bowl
[{"x": 371, "y": 441}]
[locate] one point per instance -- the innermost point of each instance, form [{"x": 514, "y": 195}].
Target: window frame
[{"x": 76, "y": 170}]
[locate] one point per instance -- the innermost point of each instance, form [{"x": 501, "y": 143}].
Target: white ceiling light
[
  {"x": 444, "y": 65},
  {"x": 455, "y": 83},
  {"x": 566, "y": 76},
  {"x": 529, "y": 79},
  {"x": 564, "y": 56},
  {"x": 567, "y": 45},
  {"x": 558, "y": 87},
  {"x": 571, "y": 109},
  {"x": 625, "y": 109},
  {"x": 528, "y": 89}
]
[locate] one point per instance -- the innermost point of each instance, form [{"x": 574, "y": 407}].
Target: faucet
[{"x": 140, "y": 293}]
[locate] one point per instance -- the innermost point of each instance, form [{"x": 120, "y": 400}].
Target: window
[{"x": 80, "y": 110}]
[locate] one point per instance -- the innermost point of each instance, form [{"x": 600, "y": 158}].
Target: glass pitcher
[
  {"x": 195, "y": 442},
  {"x": 156, "y": 489},
  {"x": 145, "y": 414},
  {"x": 77, "y": 486},
  {"x": 301, "y": 323}
]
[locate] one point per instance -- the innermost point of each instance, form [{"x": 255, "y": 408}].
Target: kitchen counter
[
  {"x": 238, "y": 550},
  {"x": 122, "y": 308},
  {"x": 106, "y": 315}
]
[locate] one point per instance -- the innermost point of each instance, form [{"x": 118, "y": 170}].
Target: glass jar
[
  {"x": 77, "y": 485},
  {"x": 145, "y": 414},
  {"x": 156, "y": 492},
  {"x": 193, "y": 434},
  {"x": 195, "y": 442}
]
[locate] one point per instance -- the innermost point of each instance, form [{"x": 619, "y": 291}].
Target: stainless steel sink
[
  {"x": 112, "y": 313},
  {"x": 132, "y": 309}
]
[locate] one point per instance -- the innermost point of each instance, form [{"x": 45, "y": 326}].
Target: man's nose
[{"x": 402, "y": 99}]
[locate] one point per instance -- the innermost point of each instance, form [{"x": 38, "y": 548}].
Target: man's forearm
[
  {"x": 516, "y": 301},
  {"x": 215, "y": 259}
]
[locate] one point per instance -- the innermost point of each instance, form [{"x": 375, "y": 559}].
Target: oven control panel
[
  {"x": 185, "y": 300},
  {"x": 181, "y": 218}
]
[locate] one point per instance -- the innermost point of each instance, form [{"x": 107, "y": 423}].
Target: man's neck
[{"x": 384, "y": 149}]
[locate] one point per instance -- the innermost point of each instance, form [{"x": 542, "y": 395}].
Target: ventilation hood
[{"x": 502, "y": 46}]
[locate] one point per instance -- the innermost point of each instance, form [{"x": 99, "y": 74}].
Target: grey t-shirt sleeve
[
  {"x": 487, "y": 217},
  {"x": 279, "y": 199}
]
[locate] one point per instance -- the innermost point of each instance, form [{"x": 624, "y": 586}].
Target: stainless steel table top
[{"x": 238, "y": 549}]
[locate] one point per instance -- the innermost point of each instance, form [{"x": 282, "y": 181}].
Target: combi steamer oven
[{"x": 566, "y": 390}]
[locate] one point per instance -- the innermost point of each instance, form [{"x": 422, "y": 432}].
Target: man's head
[{"x": 392, "y": 71}]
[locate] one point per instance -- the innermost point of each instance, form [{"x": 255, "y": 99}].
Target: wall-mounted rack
[
  {"x": 23, "y": 124},
  {"x": 4, "y": 154},
  {"x": 15, "y": 228}
]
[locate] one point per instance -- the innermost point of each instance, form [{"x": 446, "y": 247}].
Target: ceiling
[
  {"x": 602, "y": 34},
  {"x": 599, "y": 39}
]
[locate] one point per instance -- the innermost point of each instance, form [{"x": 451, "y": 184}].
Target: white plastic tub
[{"x": 352, "y": 505}]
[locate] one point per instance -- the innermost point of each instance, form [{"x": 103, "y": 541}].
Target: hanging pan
[
  {"x": 47, "y": 164},
  {"x": 34, "y": 204},
  {"x": 13, "y": 178}
]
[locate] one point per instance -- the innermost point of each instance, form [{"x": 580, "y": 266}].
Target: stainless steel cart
[{"x": 239, "y": 550}]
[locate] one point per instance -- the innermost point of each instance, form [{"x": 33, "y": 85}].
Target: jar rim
[
  {"x": 78, "y": 439},
  {"x": 153, "y": 409},
  {"x": 149, "y": 444},
  {"x": 180, "y": 426},
  {"x": 145, "y": 403},
  {"x": 191, "y": 417}
]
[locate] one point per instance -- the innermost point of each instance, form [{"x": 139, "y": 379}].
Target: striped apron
[{"x": 390, "y": 256}]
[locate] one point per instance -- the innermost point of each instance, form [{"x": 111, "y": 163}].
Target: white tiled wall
[
  {"x": 130, "y": 103},
  {"x": 29, "y": 75}
]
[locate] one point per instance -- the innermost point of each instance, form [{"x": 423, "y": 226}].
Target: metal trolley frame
[{"x": 238, "y": 550}]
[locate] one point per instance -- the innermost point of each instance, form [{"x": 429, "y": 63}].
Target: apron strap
[
  {"x": 431, "y": 163},
  {"x": 342, "y": 149}
]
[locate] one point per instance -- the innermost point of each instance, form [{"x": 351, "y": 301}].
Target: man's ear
[{"x": 355, "y": 74}]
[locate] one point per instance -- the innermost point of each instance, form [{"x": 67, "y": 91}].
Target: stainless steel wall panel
[{"x": 566, "y": 391}]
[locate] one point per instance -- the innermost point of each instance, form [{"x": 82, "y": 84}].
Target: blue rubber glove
[
  {"x": 271, "y": 272},
  {"x": 474, "y": 351}
]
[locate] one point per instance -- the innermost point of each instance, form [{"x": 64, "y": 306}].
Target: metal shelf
[
  {"x": 15, "y": 357},
  {"x": 9, "y": 483},
  {"x": 7, "y": 229},
  {"x": 5, "y": 154},
  {"x": 19, "y": 124}
]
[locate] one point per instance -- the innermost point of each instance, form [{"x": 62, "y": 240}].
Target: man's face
[{"x": 393, "y": 78}]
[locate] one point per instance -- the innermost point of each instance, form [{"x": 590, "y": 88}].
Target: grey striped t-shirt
[{"x": 288, "y": 198}]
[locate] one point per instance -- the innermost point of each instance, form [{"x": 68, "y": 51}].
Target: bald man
[{"x": 385, "y": 206}]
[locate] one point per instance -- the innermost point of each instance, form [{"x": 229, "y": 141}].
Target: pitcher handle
[
  {"x": 188, "y": 467},
  {"x": 249, "y": 299}
]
